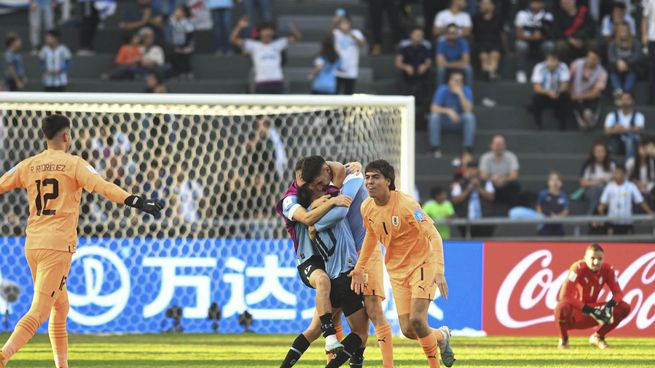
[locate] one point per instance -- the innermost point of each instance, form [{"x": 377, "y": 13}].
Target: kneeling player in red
[{"x": 579, "y": 307}]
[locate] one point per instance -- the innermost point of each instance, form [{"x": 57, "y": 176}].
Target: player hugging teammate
[{"x": 328, "y": 233}]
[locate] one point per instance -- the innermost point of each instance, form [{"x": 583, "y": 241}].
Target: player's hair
[
  {"x": 304, "y": 195},
  {"x": 299, "y": 164},
  {"x": 311, "y": 168},
  {"x": 53, "y": 124},
  {"x": 595, "y": 247},
  {"x": 384, "y": 168},
  {"x": 438, "y": 190}
]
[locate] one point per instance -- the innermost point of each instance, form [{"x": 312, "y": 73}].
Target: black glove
[
  {"x": 150, "y": 206},
  {"x": 602, "y": 315}
]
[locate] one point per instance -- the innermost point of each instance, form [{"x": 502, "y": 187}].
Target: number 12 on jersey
[{"x": 42, "y": 202}]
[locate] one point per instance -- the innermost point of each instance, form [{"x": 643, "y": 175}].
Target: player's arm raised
[
  {"x": 89, "y": 179},
  {"x": 338, "y": 173},
  {"x": 11, "y": 180}
]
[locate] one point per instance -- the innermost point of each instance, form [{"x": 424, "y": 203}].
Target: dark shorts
[
  {"x": 306, "y": 269},
  {"x": 342, "y": 296}
]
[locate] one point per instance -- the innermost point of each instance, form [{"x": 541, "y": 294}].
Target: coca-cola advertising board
[{"x": 522, "y": 282}]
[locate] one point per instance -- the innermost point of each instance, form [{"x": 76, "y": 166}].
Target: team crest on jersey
[{"x": 395, "y": 220}]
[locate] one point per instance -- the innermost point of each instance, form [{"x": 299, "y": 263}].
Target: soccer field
[{"x": 254, "y": 351}]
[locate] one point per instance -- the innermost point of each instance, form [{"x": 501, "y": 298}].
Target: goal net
[{"x": 220, "y": 163}]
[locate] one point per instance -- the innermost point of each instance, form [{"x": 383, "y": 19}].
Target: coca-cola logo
[{"x": 541, "y": 288}]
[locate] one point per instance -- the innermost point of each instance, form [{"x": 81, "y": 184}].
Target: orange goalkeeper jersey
[
  {"x": 406, "y": 231},
  {"x": 54, "y": 180}
]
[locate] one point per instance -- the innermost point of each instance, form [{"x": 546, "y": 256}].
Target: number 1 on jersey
[{"x": 42, "y": 203}]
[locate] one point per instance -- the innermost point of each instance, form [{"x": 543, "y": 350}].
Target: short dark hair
[
  {"x": 299, "y": 164},
  {"x": 10, "y": 38},
  {"x": 438, "y": 190},
  {"x": 472, "y": 164},
  {"x": 552, "y": 54},
  {"x": 265, "y": 25},
  {"x": 311, "y": 168},
  {"x": 53, "y": 124},
  {"x": 54, "y": 33},
  {"x": 618, "y": 4},
  {"x": 186, "y": 10},
  {"x": 304, "y": 195},
  {"x": 595, "y": 247},
  {"x": 455, "y": 71},
  {"x": 619, "y": 166},
  {"x": 384, "y": 168}
]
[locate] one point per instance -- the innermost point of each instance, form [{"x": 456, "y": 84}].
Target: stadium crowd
[{"x": 568, "y": 50}]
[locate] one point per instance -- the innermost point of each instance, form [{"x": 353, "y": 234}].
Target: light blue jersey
[
  {"x": 334, "y": 240},
  {"x": 355, "y": 217},
  {"x": 305, "y": 247}
]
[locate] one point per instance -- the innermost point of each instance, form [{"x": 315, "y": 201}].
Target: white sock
[{"x": 331, "y": 340}]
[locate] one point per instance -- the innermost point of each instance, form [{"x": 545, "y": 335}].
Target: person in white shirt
[
  {"x": 550, "y": 83},
  {"x": 55, "y": 61},
  {"x": 597, "y": 171},
  {"x": 266, "y": 54},
  {"x": 347, "y": 42},
  {"x": 618, "y": 15},
  {"x": 622, "y": 127},
  {"x": 153, "y": 54},
  {"x": 648, "y": 39},
  {"x": 533, "y": 32},
  {"x": 453, "y": 15},
  {"x": 617, "y": 199}
]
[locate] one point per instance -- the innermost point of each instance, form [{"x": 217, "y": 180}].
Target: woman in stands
[{"x": 596, "y": 172}]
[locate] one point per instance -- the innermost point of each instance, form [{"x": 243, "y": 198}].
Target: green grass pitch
[{"x": 254, "y": 351}]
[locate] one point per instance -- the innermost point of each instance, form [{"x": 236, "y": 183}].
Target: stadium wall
[{"x": 126, "y": 285}]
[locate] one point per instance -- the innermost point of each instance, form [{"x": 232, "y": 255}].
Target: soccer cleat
[
  {"x": 447, "y": 355},
  {"x": 333, "y": 347},
  {"x": 598, "y": 341},
  {"x": 563, "y": 343}
]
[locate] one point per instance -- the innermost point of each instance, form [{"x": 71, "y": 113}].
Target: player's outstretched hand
[
  {"x": 358, "y": 281},
  {"x": 440, "y": 279},
  {"x": 149, "y": 206}
]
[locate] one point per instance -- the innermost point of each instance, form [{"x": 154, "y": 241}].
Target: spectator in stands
[
  {"x": 347, "y": 42},
  {"x": 440, "y": 210},
  {"x": 618, "y": 16},
  {"x": 597, "y": 171},
  {"x": 624, "y": 57},
  {"x": 553, "y": 203},
  {"x": 573, "y": 28},
  {"x": 641, "y": 170},
  {"x": 455, "y": 15},
  {"x": 42, "y": 17},
  {"x": 430, "y": 10},
  {"x": 488, "y": 36},
  {"x": 154, "y": 83},
  {"x": 182, "y": 39},
  {"x": 534, "y": 27},
  {"x": 414, "y": 59},
  {"x": 128, "y": 60},
  {"x": 259, "y": 11},
  {"x": 153, "y": 54},
  {"x": 617, "y": 199},
  {"x": 452, "y": 109},
  {"x": 55, "y": 61},
  {"x": 14, "y": 70},
  {"x": 453, "y": 53},
  {"x": 266, "y": 55},
  {"x": 472, "y": 197},
  {"x": 648, "y": 39},
  {"x": 221, "y": 11},
  {"x": 143, "y": 15},
  {"x": 324, "y": 74},
  {"x": 550, "y": 83},
  {"x": 588, "y": 81},
  {"x": 501, "y": 166},
  {"x": 89, "y": 20},
  {"x": 622, "y": 126},
  {"x": 376, "y": 10}
]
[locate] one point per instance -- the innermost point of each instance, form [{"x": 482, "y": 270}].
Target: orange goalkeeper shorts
[
  {"x": 49, "y": 270},
  {"x": 375, "y": 274},
  {"x": 418, "y": 284}
]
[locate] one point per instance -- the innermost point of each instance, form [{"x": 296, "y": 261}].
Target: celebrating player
[
  {"x": 310, "y": 266},
  {"x": 414, "y": 258},
  {"x": 333, "y": 240},
  {"x": 54, "y": 180},
  {"x": 317, "y": 172},
  {"x": 579, "y": 307}
]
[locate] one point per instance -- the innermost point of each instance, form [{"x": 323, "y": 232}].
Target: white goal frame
[{"x": 404, "y": 103}]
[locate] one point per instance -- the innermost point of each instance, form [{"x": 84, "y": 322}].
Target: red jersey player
[{"x": 579, "y": 307}]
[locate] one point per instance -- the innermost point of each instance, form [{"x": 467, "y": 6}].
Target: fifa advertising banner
[
  {"x": 522, "y": 282},
  {"x": 130, "y": 285}
]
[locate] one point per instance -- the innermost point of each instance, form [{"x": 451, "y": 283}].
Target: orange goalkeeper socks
[
  {"x": 429, "y": 345},
  {"x": 59, "y": 342},
  {"x": 25, "y": 329},
  {"x": 383, "y": 334},
  {"x": 339, "y": 329}
]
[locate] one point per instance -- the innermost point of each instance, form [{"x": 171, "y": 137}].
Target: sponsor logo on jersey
[{"x": 418, "y": 214}]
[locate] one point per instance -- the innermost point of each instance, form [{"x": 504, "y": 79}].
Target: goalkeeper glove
[
  {"x": 150, "y": 206},
  {"x": 602, "y": 315}
]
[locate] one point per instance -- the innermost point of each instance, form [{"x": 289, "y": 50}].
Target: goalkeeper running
[
  {"x": 54, "y": 180},
  {"x": 579, "y": 307}
]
